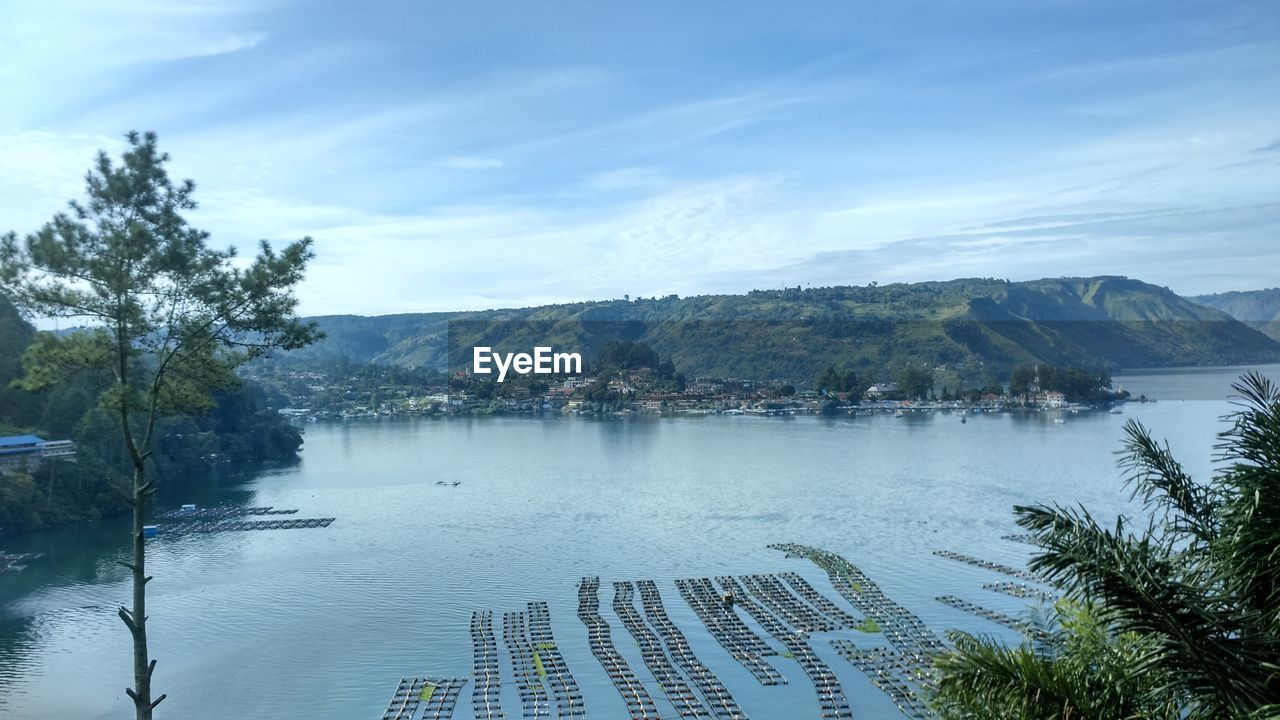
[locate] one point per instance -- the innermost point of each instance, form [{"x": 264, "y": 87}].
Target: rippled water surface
[{"x": 323, "y": 623}]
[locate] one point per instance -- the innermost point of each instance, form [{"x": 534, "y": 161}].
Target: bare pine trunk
[{"x": 136, "y": 618}]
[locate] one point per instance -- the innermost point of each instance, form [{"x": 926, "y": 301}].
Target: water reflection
[{"x": 319, "y": 622}]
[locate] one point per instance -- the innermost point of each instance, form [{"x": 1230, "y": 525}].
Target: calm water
[{"x": 323, "y": 623}]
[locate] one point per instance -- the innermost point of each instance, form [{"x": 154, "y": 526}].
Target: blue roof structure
[{"x": 19, "y": 443}]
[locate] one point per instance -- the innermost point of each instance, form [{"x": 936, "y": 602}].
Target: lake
[{"x": 323, "y": 623}]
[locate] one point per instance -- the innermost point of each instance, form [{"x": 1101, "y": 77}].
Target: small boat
[
  {"x": 1115, "y": 411},
  {"x": 899, "y": 413},
  {"x": 1059, "y": 420},
  {"x": 962, "y": 419}
]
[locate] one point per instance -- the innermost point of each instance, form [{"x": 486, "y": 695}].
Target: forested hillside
[
  {"x": 239, "y": 433},
  {"x": 985, "y": 326}
]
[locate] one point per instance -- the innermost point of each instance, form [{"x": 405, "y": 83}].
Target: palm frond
[{"x": 1155, "y": 476}]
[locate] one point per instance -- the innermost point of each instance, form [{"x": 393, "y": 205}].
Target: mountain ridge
[
  {"x": 1258, "y": 309},
  {"x": 981, "y": 325}
]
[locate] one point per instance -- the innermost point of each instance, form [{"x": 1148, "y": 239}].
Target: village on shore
[{"x": 314, "y": 395}]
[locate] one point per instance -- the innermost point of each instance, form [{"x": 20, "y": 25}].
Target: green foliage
[
  {"x": 1189, "y": 603},
  {"x": 627, "y": 355},
  {"x": 1079, "y": 385},
  {"x": 837, "y": 381},
  {"x": 239, "y": 432},
  {"x": 915, "y": 383},
  {"x": 1083, "y": 670}
]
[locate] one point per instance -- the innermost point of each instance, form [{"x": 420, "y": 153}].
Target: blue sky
[{"x": 451, "y": 155}]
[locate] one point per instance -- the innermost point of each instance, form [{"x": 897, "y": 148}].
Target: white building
[{"x": 26, "y": 452}]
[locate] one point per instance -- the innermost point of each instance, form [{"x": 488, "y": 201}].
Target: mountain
[
  {"x": 980, "y": 326},
  {"x": 1256, "y": 308}
]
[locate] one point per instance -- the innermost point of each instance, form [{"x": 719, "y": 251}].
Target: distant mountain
[
  {"x": 981, "y": 326},
  {"x": 1256, "y": 308}
]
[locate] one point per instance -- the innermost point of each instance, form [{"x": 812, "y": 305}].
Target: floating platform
[
  {"x": 639, "y": 703},
  {"x": 486, "y": 692},
  {"x": 729, "y": 630},
  {"x": 819, "y": 601},
  {"x": 714, "y": 692},
  {"x": 901, "y": 627},
  {"x": 551, "y": 664},
  {"x": 1020, "y": 590},
  {"x": 214, "y": 526},
  {"x": 914, "y": 644},
  {"x": 437, "y": 697},
  {"x": 1022, "y": 626},
  {"x": 525, "y": 665},
  {"x": 441, "y": 697},
  {"x": 219, "y": 513},
  {"x": 988, "y": 565},
  {"x": 831, "y": 697},
  {"x": 891, "y": 673},
  {"x": 672, "y": 683}
]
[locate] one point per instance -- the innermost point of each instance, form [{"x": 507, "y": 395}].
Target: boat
[
  {"x": 899, "y": 413},
  {"x": 1115, "y": 411}
]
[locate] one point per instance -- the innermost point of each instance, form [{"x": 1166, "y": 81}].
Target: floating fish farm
[
  {"x": 191, "y": 512},
  {"x": 996, "y": 617},
  {"x": 485, "y": 693},
  {"x": 539, "y": 666},
  {"x": 714, "y": 692},
  {"x": 750, "y": 616},
  {"x": 988, "y": 565},
  {"x": 890, "y": 671},
  {"x": 913, "y": 644},
  {"x": 729, "y": 630},
  {"x": 1021, "y": 591},
  {"x": 639, "y": 703},
  {"x": 831, "y": 697},
  {"x": 673, "y": 684},
  {"x": 550, "y": 664},
  {"x": 213, "y": 526},
  {"x": 436, "y": 696}
]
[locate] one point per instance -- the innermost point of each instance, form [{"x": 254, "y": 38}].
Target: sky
[{"x": 476, "y": 154}]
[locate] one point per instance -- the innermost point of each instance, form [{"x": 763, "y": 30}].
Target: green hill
[
  {"x": 1256, "y": 308},
  {"x": 982, "y": 327}
]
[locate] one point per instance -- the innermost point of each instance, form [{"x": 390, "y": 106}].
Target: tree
[
  {"x": 1195, "y": 594},
  {"x": 169, "y": 317},
  {"x": 914, "y": 382}
]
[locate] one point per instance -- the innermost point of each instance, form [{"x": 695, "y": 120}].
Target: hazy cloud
[{"x": 453, "y": 156}]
